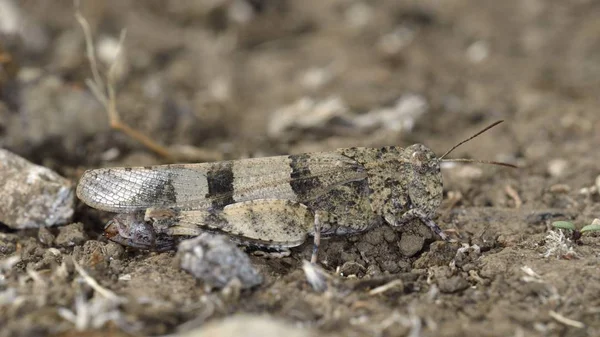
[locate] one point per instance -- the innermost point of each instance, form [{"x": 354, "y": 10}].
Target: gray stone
[
  {"x": 217, "y": 261},
  {"x": 32, "y": 196},
  {"x": 250, "y": 326}
]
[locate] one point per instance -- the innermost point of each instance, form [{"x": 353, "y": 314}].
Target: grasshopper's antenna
[
  {"x": 475, "y": 160},
  {"x": 480, "y": 162},
  {"x": 468, "y": 139}
]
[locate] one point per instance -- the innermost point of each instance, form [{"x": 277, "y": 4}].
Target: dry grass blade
[
  {"x": 89, "y": 48},
  {"x": 315, "y": 276},
  {"x": 566, "y": 321},
  {"x": 511, "y": 192},
  {"x": 390, "y": 285},
  {"x": 97, "y": 287}
]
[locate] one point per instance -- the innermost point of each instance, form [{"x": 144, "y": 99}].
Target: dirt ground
[{"x": 214, "y": 75}]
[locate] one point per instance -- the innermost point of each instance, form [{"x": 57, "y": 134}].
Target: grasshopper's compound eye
[
  {"x": 419, "y": 160},
  {"x": 142, "y": 234}
]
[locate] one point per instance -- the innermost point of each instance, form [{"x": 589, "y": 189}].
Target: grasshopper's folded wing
[{"x": 215, "y": 185}]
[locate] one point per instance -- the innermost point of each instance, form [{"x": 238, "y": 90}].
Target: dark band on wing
[
  {"x": 302, "y": 180},
  {"x": 220, "y": 185},
  {"x": 158, "y": 191}
]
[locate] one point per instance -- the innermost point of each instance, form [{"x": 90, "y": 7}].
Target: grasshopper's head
[
  {"x": 405, "y": 183},
  {"x": 132, "y": 231},
  {"x": 425, "y": 186}
]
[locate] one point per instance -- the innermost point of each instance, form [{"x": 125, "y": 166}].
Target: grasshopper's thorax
[
  {"x": 400, "y": 179},
  {"x": 426, "y": 186}
]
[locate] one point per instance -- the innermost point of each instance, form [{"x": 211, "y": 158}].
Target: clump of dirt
[{"x": 210, "y": 75}]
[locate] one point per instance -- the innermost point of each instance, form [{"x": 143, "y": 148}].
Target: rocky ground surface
[{"x": 235, "y": 79}]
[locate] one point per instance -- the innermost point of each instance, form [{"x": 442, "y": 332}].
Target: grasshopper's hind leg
[{"x": 273, "y": 224}]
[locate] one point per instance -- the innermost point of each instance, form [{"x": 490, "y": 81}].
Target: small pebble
[
  {"x": 351, "y": 268},
  {"x": 467, "y": 254},
  {"x": 113, "y": 250},
  {"x": 478, "y": 51},
  {"x": 411, "y": 244},
  {"x": 556, "y": 167},
  {"x": 453, "y": 284},
  {"x": 358, "y": 15},
  {"x": 45, "y": 236},
  {"x": 447, "y": 281},
  {"x": 373, "y": 270},
  {"x": 440, "y": 253},
  {"x": 125, "y": 277},
  {"x": 7, "y": 247},
  {"x": 389, "y": 266},
  {"x": 316, "y": 78},
  {"x": 485, "y": 238},
  {"x": 217, "y": 261},
  {"x": 588, "y": 190},
  {"x": 374, "y": 237},
  {"x": 560, "y": 189}
]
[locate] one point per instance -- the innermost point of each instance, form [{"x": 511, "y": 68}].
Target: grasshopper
[{"x": 271, "y": 203}]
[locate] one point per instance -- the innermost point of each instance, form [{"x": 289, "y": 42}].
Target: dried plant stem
[{"x": 106, "y": 93}]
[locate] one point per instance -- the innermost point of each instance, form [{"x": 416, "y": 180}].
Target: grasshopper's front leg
[{"x": 416, "y": 213}]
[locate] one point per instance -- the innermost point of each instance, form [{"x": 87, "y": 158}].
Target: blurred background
[{"x": 252, "y": 78}]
